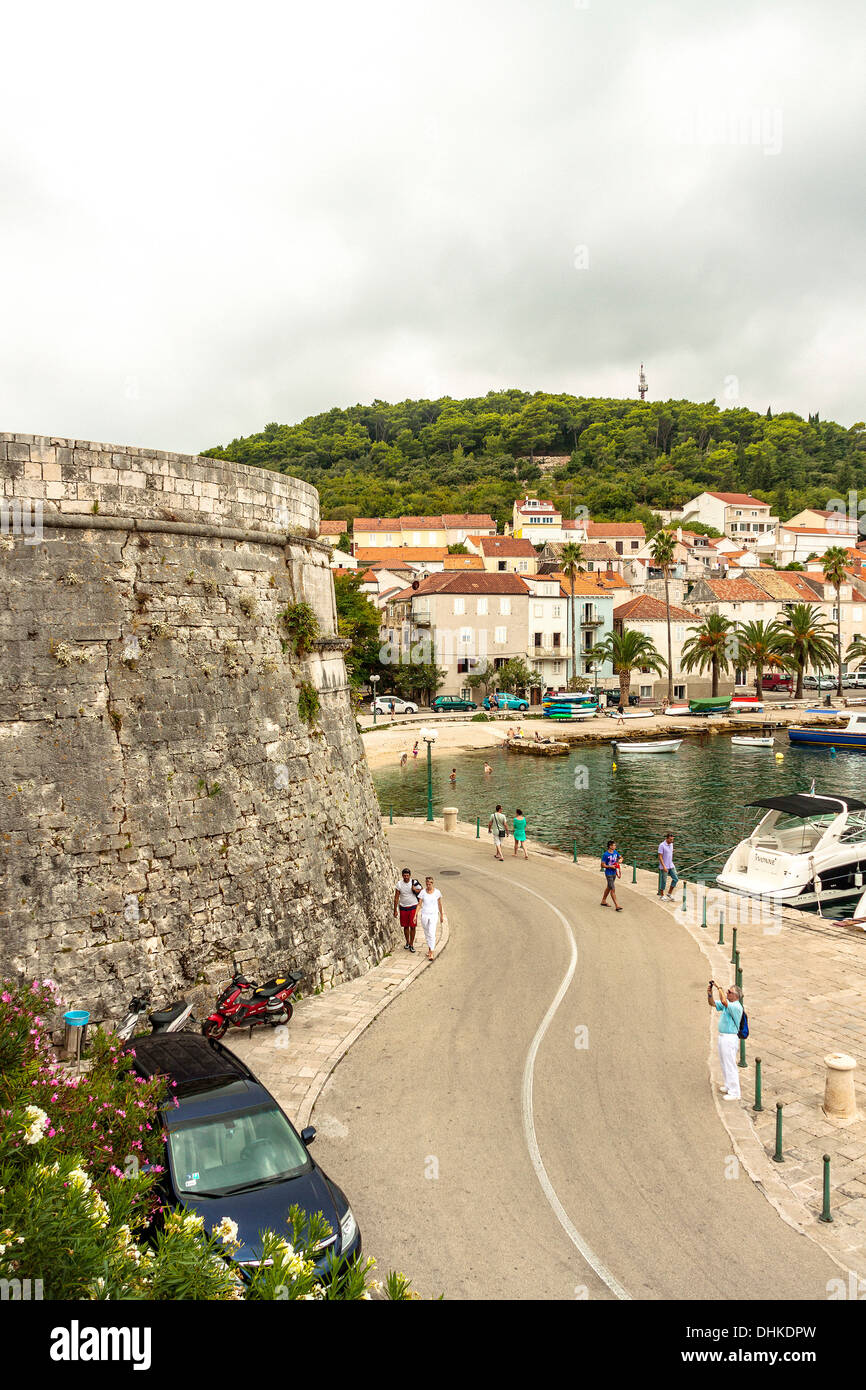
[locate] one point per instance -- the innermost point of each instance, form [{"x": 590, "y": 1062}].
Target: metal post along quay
[
  {"x": 429, "y": 736},
  {"x": 374, "y": 681}
]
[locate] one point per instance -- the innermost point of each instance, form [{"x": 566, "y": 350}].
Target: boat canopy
[{"x": 805, "y": 804}]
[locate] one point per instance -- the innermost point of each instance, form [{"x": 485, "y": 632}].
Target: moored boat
[
  {"x": 806, "y": 850},
  {"x": 638, "y": 713},
  {"x": 753, "y": 740},
  {"x": 676, "y": 709},
  {"x": 712, "y": 704},
  {"x": 852, "y": 736},
  {"x": 659, "y": 745}
]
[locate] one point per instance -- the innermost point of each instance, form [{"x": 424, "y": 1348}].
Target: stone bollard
[
  {"x": 840, "y": 1103},
  {"x": 449, "y": 818}
]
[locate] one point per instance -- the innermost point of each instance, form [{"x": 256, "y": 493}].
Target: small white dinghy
[
  {"x": 638, "y": 713},
  {"x": 677, "y": 709},
  {"x": 659, "y": 745},
  {"x": 753, "y": 740}
]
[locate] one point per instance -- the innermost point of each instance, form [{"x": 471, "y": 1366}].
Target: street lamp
[
  {"x": 429, "y": 736},
  {"x": 374, "y": 681}
]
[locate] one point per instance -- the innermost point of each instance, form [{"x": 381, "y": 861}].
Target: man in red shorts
[{"x": 406, "y": 901}]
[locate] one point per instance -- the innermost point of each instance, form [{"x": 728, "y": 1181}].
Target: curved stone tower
[{"x": 171, "y": 797}]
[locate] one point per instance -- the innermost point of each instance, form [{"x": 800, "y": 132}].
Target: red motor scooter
[{"x": 268, "y": 1003}]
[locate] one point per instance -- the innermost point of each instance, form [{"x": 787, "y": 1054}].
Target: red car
[{"x": 774, "y": 681}]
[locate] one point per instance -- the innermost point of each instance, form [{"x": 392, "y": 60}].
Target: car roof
[{"x": 190, "y": 1061}]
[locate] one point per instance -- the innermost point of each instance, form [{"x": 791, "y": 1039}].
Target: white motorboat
[
  {"x": 677, "y": 709},
  {"x": 807, "y": 850},
  {"x": 753, "y": 740},
  {"x": 638, "y": 713},
  {"x": 659, "y": 745}
]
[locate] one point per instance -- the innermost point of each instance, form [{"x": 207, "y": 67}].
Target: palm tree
[
  {"x": 806, "y": 641},
  {"x": 760, "y": 645},
  {"x": 628, "y": 651},
  {"x": 662, "y": 553},
  {"x": 710, "y": 645},
  {"x": 570, "y": 559},
  {"x": 856, "y": 648},
  {"x": 834, "y": 564}
]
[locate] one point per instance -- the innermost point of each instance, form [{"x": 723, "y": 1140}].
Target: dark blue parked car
[{"x": 231, "y": 1150}]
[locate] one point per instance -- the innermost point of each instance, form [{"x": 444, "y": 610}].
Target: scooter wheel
[{"x": 214, "y": 1030}]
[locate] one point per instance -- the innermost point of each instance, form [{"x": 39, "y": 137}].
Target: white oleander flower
[
  {"x": 227, "y": 1231},
  {"x": 37, "y": 1123}
]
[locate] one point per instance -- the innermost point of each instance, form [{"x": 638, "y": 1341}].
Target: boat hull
[
  {"x": 659, "y": 746},
  {"x": 745, "y": 742},
  {"x": 828, "y": 738}
]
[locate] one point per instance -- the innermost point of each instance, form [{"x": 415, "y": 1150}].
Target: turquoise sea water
[{"x": 700, "y": 793}]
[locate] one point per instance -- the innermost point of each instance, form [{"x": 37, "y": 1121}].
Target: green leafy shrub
[
  {"x": 481, "y": 719},
  {"x": 79, "y": 1164},
  {"x": 308, "y": 702},
  {"x": 302, "y": 625}
]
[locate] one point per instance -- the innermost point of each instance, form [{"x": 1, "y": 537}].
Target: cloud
[{"x": 216, "y": 217}]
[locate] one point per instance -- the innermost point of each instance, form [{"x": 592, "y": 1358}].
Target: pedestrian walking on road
[
  {"x": 666, "y": 865},
  {"x": 730, "y": 1011},
  {"x": 406, "y": 899},
  {"x": 610, "y": 863},
  {"x": 497, "y": 826},
  {"x": 431, "y": 913},
  {"x": 518, "y": 826}
]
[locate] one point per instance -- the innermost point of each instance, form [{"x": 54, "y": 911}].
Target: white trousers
[
  {"x": 428, "y": 926},
  {"x": 729, "y": 1047}
]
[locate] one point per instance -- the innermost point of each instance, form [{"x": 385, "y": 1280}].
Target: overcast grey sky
[{"x": 216, "y": 215}]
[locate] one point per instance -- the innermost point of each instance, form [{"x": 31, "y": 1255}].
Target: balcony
[
  {"x": 592, "y": 620},
  {"x": 421, "y": 616},
  {"x": 547, "y": 652}
]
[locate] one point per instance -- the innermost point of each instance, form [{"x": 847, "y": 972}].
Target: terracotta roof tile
[{"x": 647, "y": 608}]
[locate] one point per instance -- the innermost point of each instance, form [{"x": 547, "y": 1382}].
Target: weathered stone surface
[{"x": 163, "y": 808}]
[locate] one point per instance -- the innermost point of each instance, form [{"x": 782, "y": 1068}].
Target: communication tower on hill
[{"x": 641, "y": 384}]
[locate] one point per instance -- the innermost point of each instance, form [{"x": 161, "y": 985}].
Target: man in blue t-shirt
[
  {"x": 610, "y": 862},
  {"x": 730, "y": 1011}
]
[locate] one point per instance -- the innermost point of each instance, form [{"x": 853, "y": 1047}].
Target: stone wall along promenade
[{"x": 164, "y": 806}]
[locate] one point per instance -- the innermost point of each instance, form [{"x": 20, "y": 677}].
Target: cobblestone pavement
[{"x": 294, "y": 1063}]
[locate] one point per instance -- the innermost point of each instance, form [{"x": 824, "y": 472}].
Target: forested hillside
[{"x": 625, "y": 457}]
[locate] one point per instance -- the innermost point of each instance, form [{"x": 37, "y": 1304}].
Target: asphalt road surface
[{"x": 495, "y": 1148}]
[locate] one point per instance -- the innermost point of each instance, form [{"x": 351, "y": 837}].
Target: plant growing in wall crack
[
  {"x": 302, "y": 625},
  {"x": 308, "y": 702}
]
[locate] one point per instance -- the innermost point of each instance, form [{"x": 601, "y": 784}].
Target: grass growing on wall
[
  {"x": 308, "y": 702},
  {"x": 302, "y": 625}
]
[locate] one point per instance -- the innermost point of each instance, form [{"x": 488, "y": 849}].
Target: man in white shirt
[
  {"x": 430, "y": 907},
  {"x": 406, "y": 896}
]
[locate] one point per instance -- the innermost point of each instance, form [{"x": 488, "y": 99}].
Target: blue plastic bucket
[{"x": 76, "y": 1018}]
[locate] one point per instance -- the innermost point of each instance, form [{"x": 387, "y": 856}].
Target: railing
[
  {"x": 594, "y": 621},
  {"x": 549, "y": 651}
]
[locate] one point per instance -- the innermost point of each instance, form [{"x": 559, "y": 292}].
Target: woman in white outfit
[{"x": 430, "y": 909}]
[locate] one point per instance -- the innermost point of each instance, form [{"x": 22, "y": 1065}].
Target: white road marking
[{"x": 547, "y": 1187}]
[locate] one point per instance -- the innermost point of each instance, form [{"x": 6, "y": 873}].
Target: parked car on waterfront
[
  {"x": 392, "y": 704},
  {"x": 445, "y": 703},
  {"x": 502, "y": 700},
  {"x": 773, "y": 680},
  {"x": 231, "y": 1150},
  {"x": 819, "y": 683}
]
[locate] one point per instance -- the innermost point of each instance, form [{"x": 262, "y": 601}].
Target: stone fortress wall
[{"x": 165, "y": 806}]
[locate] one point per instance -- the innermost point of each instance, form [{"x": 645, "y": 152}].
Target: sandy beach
[{"x": 384, "y": 746}]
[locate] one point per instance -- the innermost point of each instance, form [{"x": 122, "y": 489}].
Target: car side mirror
[{"x": 308, "y": 1135}]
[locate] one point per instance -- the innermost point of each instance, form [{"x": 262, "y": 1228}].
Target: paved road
[{"x": 426, "y": 1123}]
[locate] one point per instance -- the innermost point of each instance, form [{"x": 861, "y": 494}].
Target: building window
[
  {"x": 505, "y": 607},
  {"x": 538, "y": 610},
  {"x": 557, "y": 610},
  {"x": 465, "y": 636},
  {"x": 679, "y": 692},
  {"x": 501, "y": 566},
  {"x": 500, "y": 636},
  {"x": 482, "y": 607},
  {"x": 459, "y": 605},
  {"x": 646, "y": 692}
]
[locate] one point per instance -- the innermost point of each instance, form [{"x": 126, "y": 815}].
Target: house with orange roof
[
  {"x": 738, "y": 515},
  {"x": 427, "y": 558},
  {"x": 505, "y": 554},
  {"x": 648, "y": 615},
  {"x": 420, "y": 532}
]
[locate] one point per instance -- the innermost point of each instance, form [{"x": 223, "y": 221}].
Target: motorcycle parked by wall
[
  {"x": 170, "y": 1020},
  {"x": 269, "y": 1003}
]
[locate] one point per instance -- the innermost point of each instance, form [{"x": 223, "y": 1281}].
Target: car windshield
[{"x": 234, "y": 1152}]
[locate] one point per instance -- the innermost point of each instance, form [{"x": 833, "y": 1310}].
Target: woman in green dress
[{"x": 518, "y": 826}]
